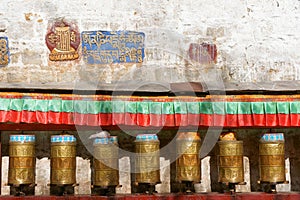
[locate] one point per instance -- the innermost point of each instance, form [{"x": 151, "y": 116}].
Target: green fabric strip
[
  {"x": 295, "y": 107},
  {"x": 118, "y": 106},
  {"x": 67, "y": 106},
  {"x": 180, "y": 107},
  {"x": 16, "y": 104},
  {"x": 206, "y": 108},
  {"x": 147, "y": 107},
  {"x": 4, "y": 104},
  {"x": 155, "y": 108},
  {"x": 42, "y": 105},
  {"x": 80, "y": 106},
  {"x": 29, "y": 104},
  {"x": 167, "y": 108},
  {"x": 244, "y": 108},
  {"x": 219, "y": 108},
  {"x": 232, "y": 107},
  {"x": 193, "y": 107},
  {"x": 105, "y": 107},
  {"x": 93, "y": 107},
  {"x": 283, "y": 107},
  {"x": 143, "y": 107},
  {"x": 270, "y": 107},
  {"x": 55, "y": 105},
  {"x": 257, "y": 107},
  {"x": 130, "y": 107}
]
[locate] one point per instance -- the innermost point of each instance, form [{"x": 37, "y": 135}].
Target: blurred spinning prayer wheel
[
  {"x": 188, "y": 163},
  {"x": 271, "y": 158},
  {"x": 63, "y": 160},
  {"x": 147, "y": 159},
  {"x": 21, "y": 160},
  {"x": 106, "y": 162},
  {"x": 230, "y": 159}
]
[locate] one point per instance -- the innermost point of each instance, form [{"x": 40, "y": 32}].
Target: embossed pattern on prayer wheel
[
  {"x": 63, "y": 160},
  {"x": 106, "y": 162},
  {"x": 147, "y": 159},
  {"x": 230, "y": 161},
  {"x": 21, "y": 159},
  {"x": 188, "y": 163},
  {"x": 271, "y": 158}
]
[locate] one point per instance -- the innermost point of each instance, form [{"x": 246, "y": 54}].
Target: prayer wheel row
[{"x": 147, "y": 159}]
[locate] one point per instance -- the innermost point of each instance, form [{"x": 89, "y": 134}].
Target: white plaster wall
[{"x": 256, "y": 41}]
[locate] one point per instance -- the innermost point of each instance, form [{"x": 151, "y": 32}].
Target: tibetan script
[
  {"x": 104, "y": 47},
  {"x": 4, "y": 51}
]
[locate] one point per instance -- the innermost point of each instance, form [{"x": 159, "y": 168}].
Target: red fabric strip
[
  {"x": 245, "y": 120},
  {"x": 4, "y": 116},
  {"x": 155, "y": 120},
  {"x": 28, "y": 116},
  {"x": 56, "y": 117},
  {"x": 93, "y": 120},
  {"x": 231, "y": 120},
  {"x": 42, "y": 117},
  {"x": 105, "y": 119},
  {"x": 130, "y": 119},
  {"x": 271, "y": 120},
  {"x": 118, "y": 118},
  {"x": 219, "y": 120},
  {"x": 284, "y": 120},
  {"x": 206, "y": 120},
  {"x": 67, "y": 118},
  {"x": 80, "y": 119},
  {"x": 181, "y": 119},
  {"x": 259, "y": 119},
  {"x": 168, "y": 119},
  {"x": 295, "y": 119},
  {"x": 14, "y": 116},
  {"x": 193, "y": 119},
  {"x": 143, "y": 119}
]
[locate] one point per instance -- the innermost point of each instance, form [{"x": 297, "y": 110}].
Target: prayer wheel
[
  {"x": 188, "y": 163},
  {"x": 21, "y": 160},
  {"x": 271, "y": 158},
  {"x": 147, "y": 159},
  {"x": 230, "y": 159},
  {"x": 63, "y": 160},
  {"x": 106, "y": 162}
]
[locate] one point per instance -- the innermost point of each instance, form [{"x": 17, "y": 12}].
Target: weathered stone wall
[{"x": 256, "y": 41}]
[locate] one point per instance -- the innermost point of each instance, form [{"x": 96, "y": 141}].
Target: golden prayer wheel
[
  {"x": 106, "y": 162},
  {"x": 230, "y": 162},
  {"x": 271, "y": 158},
  {"x": 147, "y": 159},
  {"x": 21, "y": 160},
  {"x": 188, "y": 163},
  {"x": 63, "y": 160}
]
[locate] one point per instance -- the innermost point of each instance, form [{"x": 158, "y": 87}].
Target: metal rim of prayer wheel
[
  {"x": 21, "y": 160},
  {"x": 272, "y": 158},
  {"x": 230, "y": 162},
  {"x": 147, "y": 163},
  {"x": 188, "y": 163},
  {"x": 63, "y": 160},
  {"x": 106, "y": 162}
]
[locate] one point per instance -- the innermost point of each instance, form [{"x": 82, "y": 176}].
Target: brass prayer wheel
[
  {"x": 63, "y": 160},
  {"x": 230, "y": 161},
  {"x": 21, "y": 160},
  {"x": 106, "y": 162},
  {"x": 271, "y": 158},
  {"x": 188, "y": 163},
  {"x": 147, "y": 159}
]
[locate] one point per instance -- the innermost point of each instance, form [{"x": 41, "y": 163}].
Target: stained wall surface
[{"x": 256, "y": 41}]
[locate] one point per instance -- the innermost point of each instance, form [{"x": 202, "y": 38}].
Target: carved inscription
[{"x": 104, "y": 47}]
